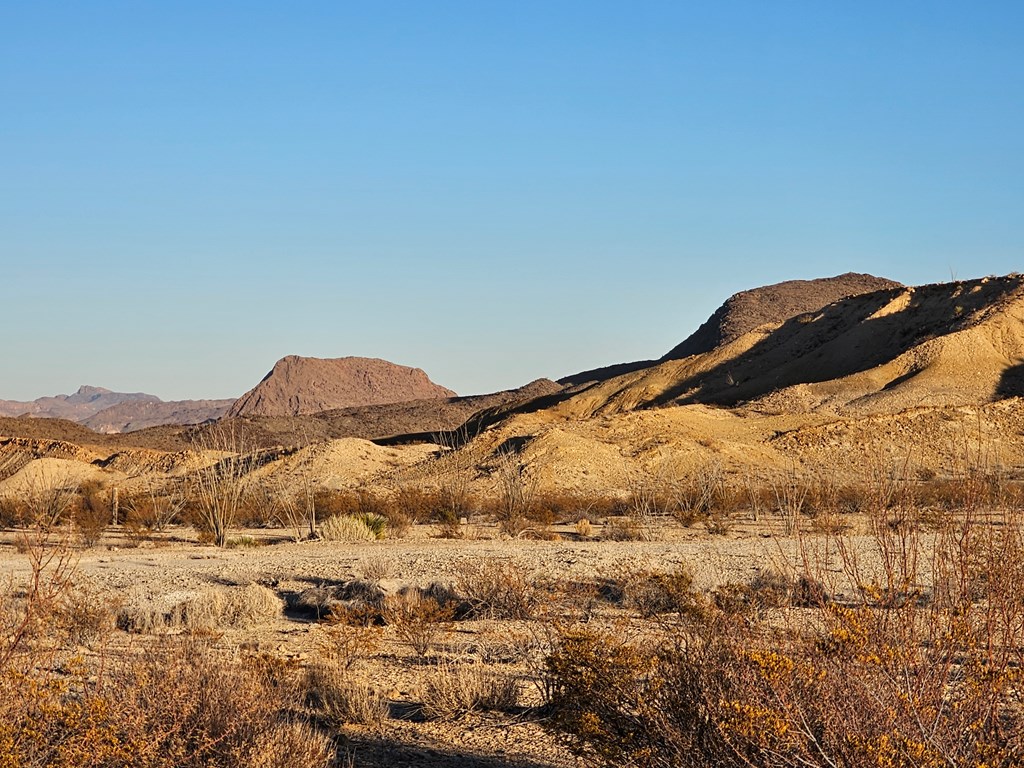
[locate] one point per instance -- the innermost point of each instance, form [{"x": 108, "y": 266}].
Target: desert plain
[{"x": 793, "y": 540}]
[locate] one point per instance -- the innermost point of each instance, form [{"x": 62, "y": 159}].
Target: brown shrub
[
  {"x": 418, "y": 619},
  {"x": 454, "y": 690},
  {"x": 497, "y": 589},
  {"x": 889, "y": 679},
  {"x": 339, "y": 699}
]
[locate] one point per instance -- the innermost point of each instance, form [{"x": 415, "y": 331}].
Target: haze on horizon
[{"x": 493, "y": 193}]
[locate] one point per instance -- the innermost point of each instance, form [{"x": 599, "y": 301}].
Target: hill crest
[{"x": 299, "y": 386}]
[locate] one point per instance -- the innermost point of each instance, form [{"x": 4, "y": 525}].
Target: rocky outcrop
[{"x": 305, "y": 385}]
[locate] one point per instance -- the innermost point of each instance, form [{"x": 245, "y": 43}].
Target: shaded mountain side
[
  {"x": 298, "y": 386},
  {"x": 419, "y": 418},
  {"x": 746, "y": 311},
  {"x": 86, "y": 402},
  {"x": 604, "y": 373},
  {"x": 950, "y": 344},
  {"x": 367, "y": 422},
  {"x": 49, "y": 429},
  {"x": 133, "y": 416},
  {"x": 161, "y": 438}
]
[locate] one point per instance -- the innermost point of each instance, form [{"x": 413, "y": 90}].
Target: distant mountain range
[{"x": 103, "y": 410}]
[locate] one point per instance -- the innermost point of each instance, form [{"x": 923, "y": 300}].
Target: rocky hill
[
  {"x": 136, "y": 415},
  {"x": 306, "y": 385},
  {"x": 744, "y": 312},
  {"x": 950, "y": 344},
  {"x": 86, "y": 402},
  {"x": 105, "y": 411}
]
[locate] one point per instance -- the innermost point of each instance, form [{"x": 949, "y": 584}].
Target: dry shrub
[
  {"x": 153, "y": 509},
  {"x": 343, "y": 644},
  {"x": 454, "y": 690},
  {"x": 419, "y": 505},
  {"x": 888, "y": 679},
  {"x": 602, "y": 695},
  {"x": 387, "y": 516},
  {"x": 84, "y": 615},
  {"x": 352, "y": 602},
  {"x": 236, "y": 608},
  {"x": 217, "y": 495},
  {"x": 14, "y": 512},
  {"x": 177, "y": 705},
  {"x": 346, "y": 528},
  {"x": 653, "y": 593},
  {"x": 627, "y": 529},
  {"x": 497, "y": 589},
  {"x": 92, "y": 511},
  {"x": 210, "y": 610},
  {"x": 377, "y": 568},
  {"x": 769, "y": 590},
  {"x": 584, "y": 529},
  {"x": 418, "y": 619},
  {"x": 340, "y": 699}
]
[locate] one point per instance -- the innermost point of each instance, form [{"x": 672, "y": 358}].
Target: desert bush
[
  {"x": 377, "y": 567},
  {"x": 209, "y": 610},
  {"x": 49, "y": 500},
  {"x": 418, "y": 619},
  {"x": 627, "y": 529},
  {"x": 768, "y": 590},
  {"x": 174, "y": 705},
  {"x": 92, "y": 511},
  {"x": 346, "y": 528},
  {"x": 653, "y": 593},
  {"x": 339, "y": 699},
  {"x": 419, "y": 504},
  {"x": 454, "y": 690},
  {"x": 14, "y": 512},
  {"x": 217, "y": 494},
  {"x": 185, "y": 705},
  {"x": 602, "y": 695},
  {"x": 452, "y": 471},
  {"x": 83, "y": 615},
  {"x": 497, "y": 589},
  {"x": 343, "y": 644},
  {"x": 584, "y": 529},
  {"x": 890, "y": 677},
  {"x": 154, "y": 507}
]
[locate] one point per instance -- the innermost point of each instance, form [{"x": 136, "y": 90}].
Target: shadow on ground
[{"x": 386, "y": 753}]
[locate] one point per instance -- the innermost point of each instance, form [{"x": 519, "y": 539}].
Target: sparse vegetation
[{"x": 455, "y": 690}]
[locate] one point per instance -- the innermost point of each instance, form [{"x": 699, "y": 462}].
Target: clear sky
[{"x": 492, "y": 191}]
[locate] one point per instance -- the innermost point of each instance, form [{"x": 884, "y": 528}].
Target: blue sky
[{"x": 492, "y": 191}]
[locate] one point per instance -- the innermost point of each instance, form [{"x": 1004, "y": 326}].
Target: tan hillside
[
  {"x": 305, "y": 385},
  {"x": 747, "y": 311},
  {"x": 949, "y": 344}
]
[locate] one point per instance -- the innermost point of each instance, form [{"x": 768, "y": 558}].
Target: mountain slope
[
  {"x": 949, "y": 344},
  {"x": 86, "y": 402},
  {"x": 306, "y": 385},
  {"x": 746, "y": 311},
  {"x": 133, "y": 416}
]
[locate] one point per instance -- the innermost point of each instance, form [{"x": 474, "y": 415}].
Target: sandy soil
[{"x": 175, "y": 566}]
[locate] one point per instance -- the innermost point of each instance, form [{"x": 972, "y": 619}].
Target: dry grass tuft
[
  {"x": 210, "y": 610},
  {"x": 497, "y": 589},
  {"x": 339, "y": 699},
  {"x": 454, "y": 690},
  {"x": 347, "y": 528}
]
